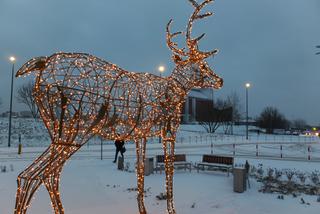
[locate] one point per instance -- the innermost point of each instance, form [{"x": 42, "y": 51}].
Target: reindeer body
[
  {"x": 87, "y": 96},
  {"x": 131, "y": 105},
  {"x": 80, "y": 96}
]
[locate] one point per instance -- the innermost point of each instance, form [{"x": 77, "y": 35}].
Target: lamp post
[
  {"x": 247, "y": 118},
  {"x": 12, "y": 60},
  {"x": 161, "y": 69}
]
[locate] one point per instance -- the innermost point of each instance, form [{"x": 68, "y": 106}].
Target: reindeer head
[
  {"x": 37, "y": 64},
  {"x": 203, "y": 76}
]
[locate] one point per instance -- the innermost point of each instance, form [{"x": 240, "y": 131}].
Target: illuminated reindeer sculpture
[{"x": 80, "y": 96}]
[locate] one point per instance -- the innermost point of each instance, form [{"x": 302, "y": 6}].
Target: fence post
[
  {"x": 211, "y": 148},
  {"x": 19, "y": 146},
  {"x": 309, "y": 151},
  {"x": 101, "y": 147},
  {"x": 234, "y": 149},
  {"x": 257, "y": 152},
  {"x": 281, "y": 151}
]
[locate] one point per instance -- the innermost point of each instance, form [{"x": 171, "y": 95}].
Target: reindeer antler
[
  {"x": 192, "y": 44},
  {"x": 173, "y": 46}
]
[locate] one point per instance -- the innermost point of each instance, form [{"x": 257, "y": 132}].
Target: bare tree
[
  {"x": 270, "y": 119},
  {"x": 233, "y": 101},
  {"x": 299, "y": 124},
  {"x": 212, "y": 115},
  {"x": 0, "y": 103},
  {"x": 24, "y": 95},
  {"x": 318, "y": 53}
]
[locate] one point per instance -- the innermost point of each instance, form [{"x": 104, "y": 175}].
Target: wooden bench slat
[{"x": 217, "y": 159}]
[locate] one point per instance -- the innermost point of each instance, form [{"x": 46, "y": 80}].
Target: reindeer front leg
[
  {"x": 52, "y": 184},
  {"x": 168, "y": 140},
  {"x": 26, "y": 190},
  {"x": 28, "y": 182},
  {"x": 141, "y": 151},
  {"x": 46, "y": 169}
]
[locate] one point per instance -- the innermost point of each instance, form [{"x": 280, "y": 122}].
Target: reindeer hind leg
[
  {"x": 140, "y": 150},
  {"x": 168, "y": 146}
]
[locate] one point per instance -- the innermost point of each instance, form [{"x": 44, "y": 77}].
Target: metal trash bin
[
  {"x": 239, "y": 180},
  {"x": 148, "y": 166}
]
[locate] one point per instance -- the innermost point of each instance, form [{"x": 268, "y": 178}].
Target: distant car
[{"x": 295, "y": 133}]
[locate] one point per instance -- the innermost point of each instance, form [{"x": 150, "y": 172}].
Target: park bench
[
  {"x": 216, "y": 162},
  {"x": 179, "y": 162}
]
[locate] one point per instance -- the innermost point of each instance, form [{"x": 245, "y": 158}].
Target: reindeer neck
[{"x": 183, "y": 79}]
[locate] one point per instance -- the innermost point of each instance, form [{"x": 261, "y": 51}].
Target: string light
[{"x": 80, "y": 96}]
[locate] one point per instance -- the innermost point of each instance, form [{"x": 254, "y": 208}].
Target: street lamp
[
  {"x": 12, "y": 60},
  {"x": 247, "y": 118},
  {"x": 161, "y": 69}
]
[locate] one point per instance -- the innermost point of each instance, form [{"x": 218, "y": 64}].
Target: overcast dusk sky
[{"x": 269, "y": 43}]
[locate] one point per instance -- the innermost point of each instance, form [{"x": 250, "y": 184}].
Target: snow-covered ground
[
  {"x": 91, "y": 185},
  {"x": 95, "y": 186}
]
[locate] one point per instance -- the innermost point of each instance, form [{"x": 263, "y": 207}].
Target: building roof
[{"x": 200, "y": 93}]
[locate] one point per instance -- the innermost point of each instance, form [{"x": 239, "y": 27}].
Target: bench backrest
[
  {"x": 177, "y": 158},
  {"x": 217, "y": 159}
]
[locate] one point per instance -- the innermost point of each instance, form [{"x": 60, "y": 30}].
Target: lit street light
[
  {"x": 247, "y": 118},
  {"x": 161, "y": 69},
  {"x": 12, "y": 60}
]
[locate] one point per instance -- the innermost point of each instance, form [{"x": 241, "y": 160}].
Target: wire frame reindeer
[{"x": 80, "y": 96}]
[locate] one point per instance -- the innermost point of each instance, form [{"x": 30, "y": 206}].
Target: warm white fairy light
[{"x": 80, "y": 95}]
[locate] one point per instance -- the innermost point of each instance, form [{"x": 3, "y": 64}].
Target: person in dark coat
[{"x": 119, "y": 148}]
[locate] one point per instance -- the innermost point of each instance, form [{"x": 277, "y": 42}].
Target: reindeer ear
[
  {"x": 40, "y": 64},
  {"x": 34, "y": 64},
  {"x": 176, "y": 58}
]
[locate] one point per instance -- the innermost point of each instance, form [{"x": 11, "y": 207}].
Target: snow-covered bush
[
  {"x": 314, "y": 177},
  {"x": 302, "y": 176},
  {"x": 277, "y": 174},
  {"x": 260, "y": 172},
  {"x": 270, "y": 172},
  {"x": 252, "y": 171},
  {"x": 289, "y": 173},
  {"x": 294, "y": 182}
]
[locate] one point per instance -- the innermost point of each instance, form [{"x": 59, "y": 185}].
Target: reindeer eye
[{"x": 176, "y": 58}]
